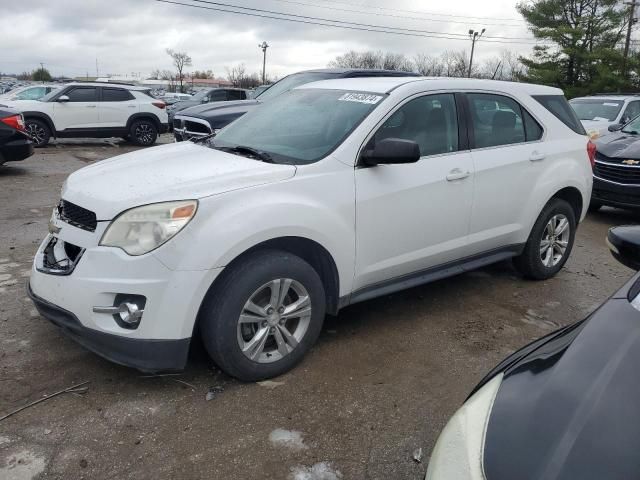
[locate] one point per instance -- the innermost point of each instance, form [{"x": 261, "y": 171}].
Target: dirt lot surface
[{"x": 382, "y": 381}]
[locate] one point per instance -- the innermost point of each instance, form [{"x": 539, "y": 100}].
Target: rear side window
[
  {"x": 496, "y": 120},
  {"x": 560, "y": 108},
  {"x": 83, "y": 94},
  {"x": 532, "y": 128},
  {"x": 235, "y": 95},
  {"x": 115, "y": 95}
]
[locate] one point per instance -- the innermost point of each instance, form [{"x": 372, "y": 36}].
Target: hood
[
  {"x": 569, "y": 410},
  {"x": 21, "y": 105},
  {"x": 178, "y": 171},
  {"x": 596, "y": 128},
  {"x": 182, "y": 104},
  {"x": 220, "y": 114},
  {"x": 619, "y": 145}
]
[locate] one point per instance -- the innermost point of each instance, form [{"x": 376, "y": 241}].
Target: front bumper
[
  {"x": 615, "y": 194},
  {"x": 67, "y": 293},
  {"x": 145, "y": 355}
]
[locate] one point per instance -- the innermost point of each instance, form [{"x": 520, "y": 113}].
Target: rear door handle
[
  {"x": 457, "y": 174},
  {"x": 537, "y": 156},
  {"x": 92, "y": 106}
]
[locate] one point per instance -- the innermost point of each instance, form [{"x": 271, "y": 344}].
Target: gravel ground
[{"x": 382, "y": 381}]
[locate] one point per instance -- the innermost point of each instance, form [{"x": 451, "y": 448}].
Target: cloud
[{"x": 130, "y": 36}]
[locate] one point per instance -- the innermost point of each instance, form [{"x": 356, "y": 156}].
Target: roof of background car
[
  {"x": 388, "y": 84},
  {"x": 613, "y": 96},
  {"x": 106, "y": 84}
]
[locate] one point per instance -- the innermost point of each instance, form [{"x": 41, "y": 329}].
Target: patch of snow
[
  {"x": 270, "y": 384},
  {"x": 23, "y": 465},
  {"x": 4, "y": 440},
  {"x": 319, "y": 471},
  {"x": 287, "y": 438}
]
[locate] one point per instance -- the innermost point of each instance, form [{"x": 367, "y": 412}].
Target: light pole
[
  {"x": 264, "y": 46},
  {"x": 632, "y": 20},
  {"x": 474, "y": 35}
]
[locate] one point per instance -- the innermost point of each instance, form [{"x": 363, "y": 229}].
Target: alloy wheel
[
  {"x": 144, "y": 133},
  {"x": 555, "y": 240},
  {"x": 274, "y": 320},
  {"x": 37, "y": 133}
]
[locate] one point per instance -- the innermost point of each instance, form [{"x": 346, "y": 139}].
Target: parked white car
[
  {"x": 334, "y": 193},
  {"x": 599, "y": 113},
  {"x": 28, "y": 92},
  {"x": 97, "y": 110}
]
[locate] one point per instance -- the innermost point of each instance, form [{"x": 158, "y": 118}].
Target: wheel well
[
  {"x": 42, "y": 118},
  {"x": 143, "y": 116},
  {"x": 311, "y": 252},
  {"x": 573, "y": 197}
]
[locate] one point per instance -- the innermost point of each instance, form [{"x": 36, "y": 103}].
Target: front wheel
[
  {"x": 550, "y": 242},
  {"x": 143, "y": 133},
  {"x": 263, "y": 315}
]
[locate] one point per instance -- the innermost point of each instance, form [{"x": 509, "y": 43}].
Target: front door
[
  {"x": 80, "y": 111},
  {"x": 413, "y": 217}
]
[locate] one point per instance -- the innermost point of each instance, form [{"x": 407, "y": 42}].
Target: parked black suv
[
  {"x": 211, "y": 95},
  {"x": 206, "y": 119}
]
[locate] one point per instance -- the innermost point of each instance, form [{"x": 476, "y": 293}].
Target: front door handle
[
  {"x": 537, "y": 156},
  {"x": 457, "y": 174},
  {"x": 91, "y": 106}
]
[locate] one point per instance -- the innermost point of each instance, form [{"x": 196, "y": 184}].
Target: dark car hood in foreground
[
  {"x": 619, "y": 145},
  {"x": 221, "y": 113},
  {"x": 570, "y": 409}
]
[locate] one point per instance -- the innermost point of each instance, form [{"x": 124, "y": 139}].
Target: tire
[
  {"x": 143, "y": 133},
  {"x": 538, "y": 264},
  {"x": 594, "y": 206},
  {"x": 225, "y": 336},
  {"x": 39, "y": 131}
]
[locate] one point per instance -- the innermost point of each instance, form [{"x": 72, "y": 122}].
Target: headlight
[
  {"x": 459, "y": 449},
  {"x": 142, "y": 229}
]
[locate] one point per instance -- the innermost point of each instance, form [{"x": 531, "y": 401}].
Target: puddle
[
  {"x": 23, "y": 465},
  {"x": 287, "y": 438}
]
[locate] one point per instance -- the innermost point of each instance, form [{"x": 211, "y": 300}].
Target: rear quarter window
[{"x": 560, "y": 108}]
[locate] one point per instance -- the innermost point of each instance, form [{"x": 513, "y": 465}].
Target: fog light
[{"x": 127, "y": 310}]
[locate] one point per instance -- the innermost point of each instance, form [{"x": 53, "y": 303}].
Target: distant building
[{"x": 207, "y": 82}]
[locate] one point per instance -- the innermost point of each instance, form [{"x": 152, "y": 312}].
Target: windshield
[
  {"x": 291, "y": 82},
  {"x": 49, "y": 95},
  {"x": 198, "y": 96},
  {"x": 597, "y": 109},
  {"x": 301, "y": 126}
]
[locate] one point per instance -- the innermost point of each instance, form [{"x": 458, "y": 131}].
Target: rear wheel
[
  {"x": 39, "y": 131},
  {"x": 263, "y": 315},
  {"x": 550, "y": 242},
  {"x": 143, "y": 133}
]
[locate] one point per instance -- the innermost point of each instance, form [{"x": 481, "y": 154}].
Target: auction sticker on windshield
[{"x": 360, "y": 98}]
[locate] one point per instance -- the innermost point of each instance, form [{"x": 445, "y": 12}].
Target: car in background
[
  {"x": 96, "y": 110},
  {"x": 29, "y": 92},
  {"x": 256, "y": 92},
  {"x": 249, "y": 237},
  {"x": 204, "y": 120},
  {"x": 173, "y": 97},
  {"x": 598, "y": 112},
  {"x": 212, "y": 95},
  {"x": 564, "y": 407},
  {"x": 15, "y": 142},
  {"x": 616, "y": 171}
]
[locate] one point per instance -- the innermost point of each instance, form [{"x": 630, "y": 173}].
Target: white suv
[
  {"x": 334, "y": 193},
  {"x": 601, "y": 114},
  {"x": 96, "y": 110}
]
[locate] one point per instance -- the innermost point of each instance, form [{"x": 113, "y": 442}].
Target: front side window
[
  {"x": 495, "y": 120},
  {"x": 218, "y": 96},
  {"x": 430, "y": 121},
  {"x": 299, "y": 127},
  {"x": 82, "y": 94},
  {"x": 632, "y": 111}
]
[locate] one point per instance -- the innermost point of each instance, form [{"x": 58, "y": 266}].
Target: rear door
[
  {"x": 413, "y": 217},
  {"x": 116, "y": 106},
  {"x": 80, "y": 111},
  {"x": 508, "y": 156}
]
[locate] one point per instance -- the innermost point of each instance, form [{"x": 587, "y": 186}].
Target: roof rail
[{"x": 115, "y": 82}]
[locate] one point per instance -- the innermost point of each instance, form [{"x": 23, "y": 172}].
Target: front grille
[
  {"x": 195, "y": 127},
  {"x": 77, "y": 216},
  {"x": 625, "y": 174},
  {"x": 177, "y": 123}
]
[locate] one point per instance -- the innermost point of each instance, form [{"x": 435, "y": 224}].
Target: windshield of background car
[
  {"x": 198, "y": 96},
  {"x": 597, "y": 109},
  {"x": 301, "y": 126},
  {"x": 50, "y": 95},
  {"x": 291, "y": 82}
]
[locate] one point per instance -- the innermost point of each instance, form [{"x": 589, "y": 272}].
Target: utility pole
[
  {"x": 42, "y": 72},
  {"x": 264, "y": 47},
  {"x": 632, "y": 8},
  {"x": 97, "y": 70},
  {"x": 475, "y": 36}
]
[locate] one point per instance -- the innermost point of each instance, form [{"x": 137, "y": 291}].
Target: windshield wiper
[
  {"x": 631, "y": 132},
  {"x": 242, "y": 149}
]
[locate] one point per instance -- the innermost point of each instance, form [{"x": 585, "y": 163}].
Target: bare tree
[
  {"x": 456, "y": 64},
  {"x": 370, "y": 59},
  {"x": 180, "y": 60},
  {"x": 239, "y": 78},
  {"x": 170, "y": 77},
  {"x": 428, "y": 66}
]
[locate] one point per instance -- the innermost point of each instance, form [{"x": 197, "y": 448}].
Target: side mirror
[
  {"x": 391, "y": 151},
  {"x": 616, "y": 127},
  {"x": 205, "y": 100},
  {"x": 624, "y": 243},
  {"x": 63, "y": 99}
]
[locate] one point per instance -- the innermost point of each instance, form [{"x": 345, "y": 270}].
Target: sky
[{"x": 131, "y": 36}]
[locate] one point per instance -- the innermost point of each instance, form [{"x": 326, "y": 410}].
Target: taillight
[
  {"x": 159, "y": 104},
  {"x": 14, "y": 121},
  {"x": 591, "y": 151}
]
